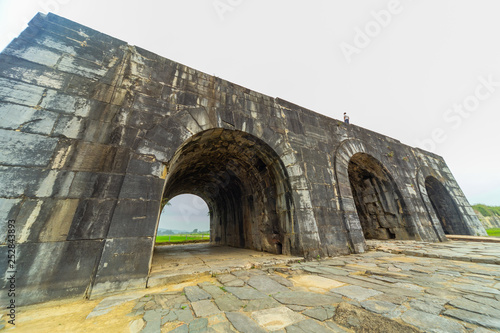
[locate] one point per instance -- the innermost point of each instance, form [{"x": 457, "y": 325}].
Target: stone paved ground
[{"x": 398, "y": 287}]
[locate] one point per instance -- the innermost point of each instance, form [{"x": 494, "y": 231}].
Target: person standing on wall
[{"x": 346, "y": 118}]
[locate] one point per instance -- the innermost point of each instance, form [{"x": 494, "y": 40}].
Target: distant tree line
[{"x": 176, "y": 232}]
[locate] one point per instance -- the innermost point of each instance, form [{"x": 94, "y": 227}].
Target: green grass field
[
  {"x": 493, "y": 232},
  {"x": 182, "y": 238}
]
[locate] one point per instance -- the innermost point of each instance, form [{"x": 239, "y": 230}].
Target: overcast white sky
[{"x": 424, "y": 72}]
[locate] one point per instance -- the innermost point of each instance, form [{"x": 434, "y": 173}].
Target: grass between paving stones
[
  {"x": 189, "y": 238},
  {"x": 495, "y": 232}
]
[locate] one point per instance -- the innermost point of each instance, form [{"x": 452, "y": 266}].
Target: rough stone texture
[
  {"x": 360, "y": 320},
  {"x": 243, "y": 323},
  {"x": 196, "y": 294},
  {"x": 307, "y": 326},
  {"x": 277, "y": 318},
  {"x": 246, "y": 293},
  {"x": 431, "y": 323},
  {"x": 306, "y": 298},
  {"x": 320, "y": 313},
  {"x": 356, "y": 292},
  {"x": 266, "y": 285},
  {"x": 229, "y": 303},
  {"x": 204, "y": 308},
  {"x": 93, "y": 129},
  {"x": 474, "y": 318}
]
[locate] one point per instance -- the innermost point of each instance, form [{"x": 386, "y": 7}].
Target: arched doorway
[
  {"x": 379, "y": 204},
  {"x": 244, "y": 184},
  {"x": 445, "y": 208}
]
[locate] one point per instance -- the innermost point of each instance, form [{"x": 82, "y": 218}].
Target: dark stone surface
[
  {"x": 51, "y": 270},
  {"x": 122, "y": 257},
  {"x": 134, "y": 217},
  {"x": 243, "y": 324},
  {"x": 92, "y": 219}
]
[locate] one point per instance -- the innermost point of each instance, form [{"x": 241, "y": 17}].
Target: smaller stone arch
[
  {"x": 442, "y": 209},
  {"x": 356, "y": 161},
  {"x": 382, "y": 212}
]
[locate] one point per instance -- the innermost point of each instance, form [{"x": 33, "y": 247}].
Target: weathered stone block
[
  {"x": 19, "y": 181},
  {"x": 134, "y": 217},
  {"x": 34, "y": 53},
  {"x": 97, "y": 158},
  {"x": 81, "y": 67},
  {"x": 25, "y": 149},
  {"x": 19, "y": 92},
  {"x": 26, "y": 119},
  {"x": 123, "y": 257},
  {"x": 31, "y": 73},
  {"x": 44, "y": 220},
  {"x": 92, "y": 219},
  {"x": 69, "y": 127},
  {"x": 145, "y": 165},
  {"x": 51, "y": 270},
  {"x": 65, "y": 103},
  {"x": 141, "y": 187}
]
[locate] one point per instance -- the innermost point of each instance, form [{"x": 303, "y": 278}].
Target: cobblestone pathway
[{"x": 399, "y": 287}]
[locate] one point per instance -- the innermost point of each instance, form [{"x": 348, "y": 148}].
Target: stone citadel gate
[{"x": 95, "y": 133}]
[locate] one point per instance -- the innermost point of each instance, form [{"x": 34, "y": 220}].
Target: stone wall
[{"x": 96, "y": 132}]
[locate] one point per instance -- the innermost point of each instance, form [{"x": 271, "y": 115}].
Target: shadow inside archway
[{"x": 381, "y": 210}]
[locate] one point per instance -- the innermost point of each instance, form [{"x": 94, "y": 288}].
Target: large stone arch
[
  {"x": 245, "y": 185},
  {"x": 355, "y": 159}
]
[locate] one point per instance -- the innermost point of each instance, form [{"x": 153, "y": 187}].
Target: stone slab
[
  {"x": 107, "y": 304},
  {"x": 266, "y": 285},
  {"x": 321, "y": 313},
  {"x": 380, "y": 307},
  {"x": 431, "y": 323},
  {"x": 474, "y": 318},
  {"x": 260, "y": 304},
  {"x": 229, "y": 303},
  {"x": 308, "y": 326},
  {"x": 246, "y": 293},
  {"x": 472, "y": 306},
  {"x": 243, "y": 323},
  {"x": 277, "y": 318},
  {"x": 194, "y": 294},
  {"x": 316, "y": 282},
  {"x": 204, "y": 308},
  {"x": 302, "y": 298},
  {"x": 356, "y": 292}
]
